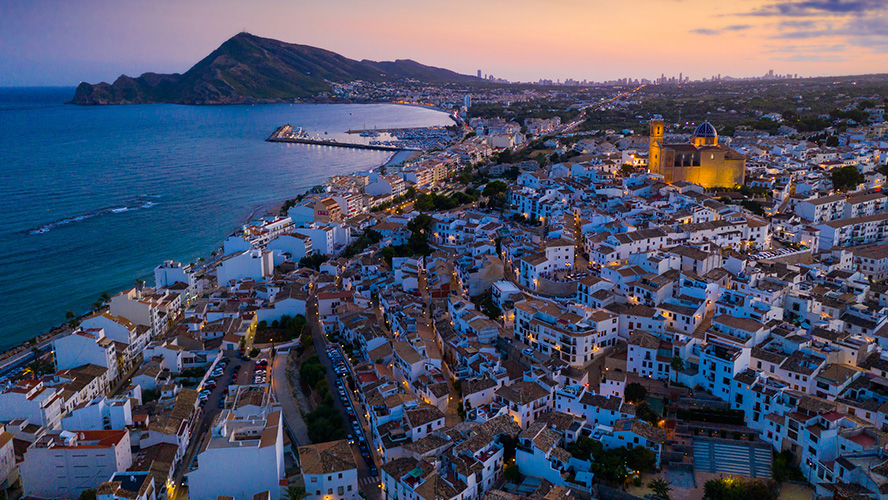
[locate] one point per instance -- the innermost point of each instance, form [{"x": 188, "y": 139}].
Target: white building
[
  {"x": 100, "y": 414},
  {"x": 63, "y": 464},
  {"x": 251, "y": 264},
  {"x": 171, "y": 272},
  {"x": 329, "y": 470},
  {"x": 575, "y": 334},
  {"x": 295, "y": 245},
  {"x": 86, "y": 347},
  {"x": 9, "y": 472},
  {"x": 32, "y": 400},
  {"x": 244, "y": 455},
  {"x": 128, "y": 486}
]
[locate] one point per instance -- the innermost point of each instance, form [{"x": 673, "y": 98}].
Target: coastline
[
  {"x": 14, "y": 349},
  {"x": 273, "y": 207}
]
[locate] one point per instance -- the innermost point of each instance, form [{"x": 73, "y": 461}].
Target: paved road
[{"x": 368, "y": 484}]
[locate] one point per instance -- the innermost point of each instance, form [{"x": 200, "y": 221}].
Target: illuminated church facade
[{"x": 701, "y": 161}]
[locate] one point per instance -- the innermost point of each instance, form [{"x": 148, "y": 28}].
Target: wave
[{"x": 137, "y": 204}]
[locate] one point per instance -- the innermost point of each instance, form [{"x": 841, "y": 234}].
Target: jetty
[{"x": 281, "y": 135}]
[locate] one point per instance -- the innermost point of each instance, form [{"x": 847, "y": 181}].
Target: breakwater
[{"x": 279, "y": 136}]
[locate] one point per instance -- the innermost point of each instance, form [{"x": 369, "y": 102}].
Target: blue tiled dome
[{"x": 705, "y": 129}]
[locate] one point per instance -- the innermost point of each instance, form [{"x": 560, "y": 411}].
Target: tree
[
  {"x": 254, "y": 352},
  {"x": 511, "y": 473},
  {"x": 70, "y": 315},
  {"x": 87, "y": 494},
  {"x": 731, "y": 488},
  {"x": 846, "y": 178},
  {"x": 585, "y": 448},
  {"x": 626, "y": 170},
  {"x": 106, "y": 297},
  {"x": 660, "y": 487},
  {"x": 313, "y": 261},
  {"x": 644, "y": 412},
  {"x": 640, "y": 458},
  {"x": 677, "y": 365},
  {"x": 296, "y": 493},
  {"x": 634, "y": 392},
  {"x": 312, "y": 371},
  {"x": 494, "y": 188}
]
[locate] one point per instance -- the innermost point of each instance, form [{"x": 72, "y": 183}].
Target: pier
[{"x": 278, "y": 136}]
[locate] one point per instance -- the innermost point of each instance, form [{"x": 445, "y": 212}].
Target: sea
[{"x": 93, "y": 198}]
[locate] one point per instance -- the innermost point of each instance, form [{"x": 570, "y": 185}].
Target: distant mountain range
[{"x": 251, "y": 69}]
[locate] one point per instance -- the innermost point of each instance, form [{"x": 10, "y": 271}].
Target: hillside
[{"x": 250, "y": 69}]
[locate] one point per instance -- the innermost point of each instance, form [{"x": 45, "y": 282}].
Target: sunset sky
[{"x": 54, "y": 42}]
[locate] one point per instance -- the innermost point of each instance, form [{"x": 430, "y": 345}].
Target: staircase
[{"x": 729, "y": 458}]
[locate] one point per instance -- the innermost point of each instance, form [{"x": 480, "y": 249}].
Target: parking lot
[{"x": 777, "y": 253}]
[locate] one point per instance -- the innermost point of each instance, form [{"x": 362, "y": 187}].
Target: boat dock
[
  {"x": 382, "y": 130},
  {"x": 279, "y": 135}
]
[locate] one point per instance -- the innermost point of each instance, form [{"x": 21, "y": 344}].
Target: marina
[{"x": 289, "y": 134}]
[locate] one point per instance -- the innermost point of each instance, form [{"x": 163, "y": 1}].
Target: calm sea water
[{"x": 93, "y": 198}]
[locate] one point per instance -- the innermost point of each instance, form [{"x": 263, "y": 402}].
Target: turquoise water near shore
[{"x": 93, "y": 198}]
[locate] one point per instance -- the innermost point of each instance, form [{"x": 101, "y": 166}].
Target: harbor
[{"x": 290, "y": 134}]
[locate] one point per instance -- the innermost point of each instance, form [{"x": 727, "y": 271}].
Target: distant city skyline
[{"x": 50, "y": 42}]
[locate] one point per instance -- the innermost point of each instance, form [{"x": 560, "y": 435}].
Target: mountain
[{"x": 250, "y": 69}]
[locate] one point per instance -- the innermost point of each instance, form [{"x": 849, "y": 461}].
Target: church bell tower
[{"x": 656, "y": 146}]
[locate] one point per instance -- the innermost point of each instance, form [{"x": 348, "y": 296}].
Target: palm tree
[
  {"x": 677, "y": 365},
  {"x": 296, "y": 493},
  {"x": 106, "y": 297},
  {"x": 660, "y": 487}
]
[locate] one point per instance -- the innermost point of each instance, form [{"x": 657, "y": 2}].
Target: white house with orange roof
[
  {"x": 33, "y": 400},
  {"x": 63, "y": 464},
  {"x": 86, "y": 347}
]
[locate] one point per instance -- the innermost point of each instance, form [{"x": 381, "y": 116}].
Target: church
[{"x": 701, "y": 161}]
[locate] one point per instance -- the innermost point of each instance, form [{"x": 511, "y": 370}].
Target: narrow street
[{"x": 368, "y": 484}]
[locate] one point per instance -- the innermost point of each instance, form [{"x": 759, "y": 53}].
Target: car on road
[
  {"x": 373, "y": 471},
  {"x": 351, "y": 439}
]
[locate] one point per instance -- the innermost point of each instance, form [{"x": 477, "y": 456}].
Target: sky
[{"x": 55, "y": 42}]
